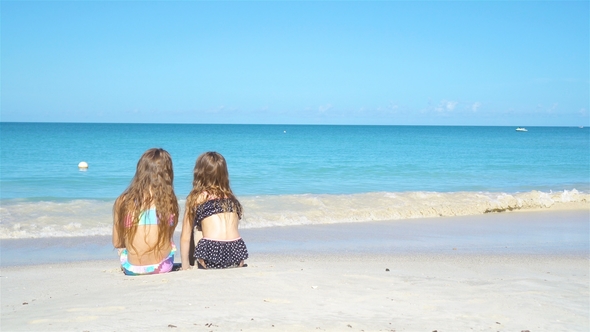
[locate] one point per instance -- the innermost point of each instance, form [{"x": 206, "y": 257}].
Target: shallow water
[
  {"x": 290, "y": 175},
  {"x": 511, "y": 233}
]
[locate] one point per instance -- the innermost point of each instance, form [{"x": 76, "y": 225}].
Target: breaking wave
[{"x": 26, "y": 219}]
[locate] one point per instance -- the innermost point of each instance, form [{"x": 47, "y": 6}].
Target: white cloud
[
  {"x": 324, "y": 108},
  {"x": 446, "y": 106},
  {"x": 540, "y": 108},
  {"x": 451, "y": 105},
  {"x": 216, "y": 109},
  {"x": 390, "y": 108},
  {"x": 475, "y": 107}
]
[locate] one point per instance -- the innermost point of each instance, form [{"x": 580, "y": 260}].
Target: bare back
[
  {"x": 140, "y": 249},
  {"x": 221, "y": 226}
]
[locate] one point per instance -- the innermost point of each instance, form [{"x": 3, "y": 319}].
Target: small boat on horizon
[{"x": 521, "y": 129}]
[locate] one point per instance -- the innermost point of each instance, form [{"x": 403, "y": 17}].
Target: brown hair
[
  {"x": 211, "y": 180},
  {"x": 151, "y": 185}
]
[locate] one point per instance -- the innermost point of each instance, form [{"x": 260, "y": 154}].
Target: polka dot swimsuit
[
  {"x": 218, "y": 254},
  {"x": 221, "y": 254}
]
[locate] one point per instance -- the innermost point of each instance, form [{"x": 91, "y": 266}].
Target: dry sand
[{"x": 443, "y": 287}]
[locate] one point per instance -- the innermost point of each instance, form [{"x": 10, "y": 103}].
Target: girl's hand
[{"x": 119, "y": 251}]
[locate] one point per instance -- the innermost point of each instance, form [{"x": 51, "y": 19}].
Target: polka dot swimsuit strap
[{"x": 211, "y": 207}]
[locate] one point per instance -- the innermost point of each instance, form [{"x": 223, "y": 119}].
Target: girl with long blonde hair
[
  {"x": 211, "y": 217},
  {"x": 145, "y": 216}
]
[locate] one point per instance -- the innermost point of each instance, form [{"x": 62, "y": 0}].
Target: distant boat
[{"x": 521, "y": 129}]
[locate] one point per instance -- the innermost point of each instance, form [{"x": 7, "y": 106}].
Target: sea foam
[{"x": 26, "y": 219}]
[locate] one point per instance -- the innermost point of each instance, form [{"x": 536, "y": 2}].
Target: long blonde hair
[
  {"x": 211, "y": 180},
  {"x": 151, "y": 185}
]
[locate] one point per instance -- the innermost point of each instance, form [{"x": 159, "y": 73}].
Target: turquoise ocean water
[{"x": 290, "y": 174}]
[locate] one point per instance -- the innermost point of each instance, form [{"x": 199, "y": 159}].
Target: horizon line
[{"x": 289, "y": 124}]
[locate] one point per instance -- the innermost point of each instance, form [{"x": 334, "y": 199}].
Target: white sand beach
[{"x": 435, "y": 278}]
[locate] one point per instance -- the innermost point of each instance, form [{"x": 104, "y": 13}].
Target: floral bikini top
[{"x": 213, "y": 206}]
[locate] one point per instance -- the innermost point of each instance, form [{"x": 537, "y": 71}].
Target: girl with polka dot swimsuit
[{"x": 210, "y": 225}]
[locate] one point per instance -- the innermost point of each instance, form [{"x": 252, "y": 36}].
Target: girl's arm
[
  {"x": 185, "y": 239},
  {"x": 118, "y": 241}
]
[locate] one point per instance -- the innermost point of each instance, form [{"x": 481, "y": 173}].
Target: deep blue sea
[{"x": 290, "y": 174}]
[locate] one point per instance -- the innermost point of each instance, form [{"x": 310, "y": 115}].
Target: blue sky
[{"x": 520, "y": 63}]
